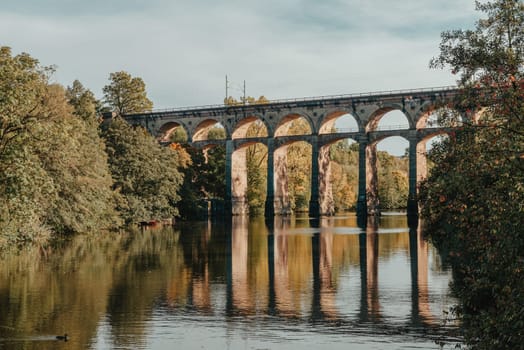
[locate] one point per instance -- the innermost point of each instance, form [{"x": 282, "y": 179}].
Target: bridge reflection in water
[
  {"x": 216, "y": 284},
  {"x": 295, "y": 271}
]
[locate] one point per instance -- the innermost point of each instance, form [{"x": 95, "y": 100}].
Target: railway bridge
[{"x": 320, "y": 113}]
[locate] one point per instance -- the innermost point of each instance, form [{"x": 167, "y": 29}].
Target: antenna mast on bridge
[{"x": 227, "y": 95}]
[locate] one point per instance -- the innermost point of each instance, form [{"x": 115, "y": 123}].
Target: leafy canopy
[
  {"x": 126, "y": 94},
  {"x": 145, "y": 174},
  {"x": 473, "y": 201},
  {"x": 54, "y": 176}
]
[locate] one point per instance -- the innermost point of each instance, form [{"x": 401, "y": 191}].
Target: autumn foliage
[{"x": 473, "y": 201}]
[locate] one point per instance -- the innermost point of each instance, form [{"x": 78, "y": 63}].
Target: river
[{"x": 247, "y": 284}]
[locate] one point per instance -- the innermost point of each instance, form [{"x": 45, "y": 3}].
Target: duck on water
[{"x": 62, "y": 337}]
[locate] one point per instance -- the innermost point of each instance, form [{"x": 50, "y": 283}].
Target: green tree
[
  {"x": 54, "y": 177},
  {"x": 344, "y": 174},
  {"x": 83, "y": 102},
  {"x": 256, "y": 162},
  {"x": 393, "y": 184},
  {"x": 72, "y": 153},
  {"x": 23, "y": 83},
  {"x": 204, "y": 180},
  {"x": 146, "y": 174},
  {"x": 216, "y": 133},
  {"x": 192, "y": 204},
  {"x": 299, "y": 168},
  {"x": 215, "y": 181},
  {"x": 179, "y": 135},
  {"x": 126, "y": 94},
  {"x": 473, "y": 201},
  {"x": 24, "y": 184}
]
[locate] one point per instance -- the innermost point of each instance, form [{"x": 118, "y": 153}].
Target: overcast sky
[{"x": 282, "y": 48}]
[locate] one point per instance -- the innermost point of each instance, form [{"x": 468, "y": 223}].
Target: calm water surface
[{"x": 247, "y": 284}]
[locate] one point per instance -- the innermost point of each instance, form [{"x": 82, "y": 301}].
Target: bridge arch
[
  {"x": 423, "y": 146},
  {"x": 202, "y": 130},
  {"x": 387, "y": 139},
  {"x": 248, "y": 187},
  {"x": 252, "y": 126},
  {"x": 291, "y": 123},
  {"x": 388, "y": 111},
  {"x": 396, "y": 194},
  {"x": 167, "y": 129},
  {"x": 292, "y": 176},
  {"x": 338, "y": 172},
  {"x": 431, "y": 117},
  {"x": 340, "y": 119}
]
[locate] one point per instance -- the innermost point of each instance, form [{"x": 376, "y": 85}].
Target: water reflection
[
  {"x": 368, "y": 241},
  {"x": 301, "y": 283}
]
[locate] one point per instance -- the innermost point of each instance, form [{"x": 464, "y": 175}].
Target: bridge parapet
[{"x": 367, "y": 108}]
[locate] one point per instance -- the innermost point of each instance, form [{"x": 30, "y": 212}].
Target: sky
[{"x": 183, "y": 49}]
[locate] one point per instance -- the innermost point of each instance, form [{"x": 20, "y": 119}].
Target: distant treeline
[{"x": 208, "y": 181}]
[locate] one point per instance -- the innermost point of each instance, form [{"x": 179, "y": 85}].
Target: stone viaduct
[{"x": 320, "y": 113}]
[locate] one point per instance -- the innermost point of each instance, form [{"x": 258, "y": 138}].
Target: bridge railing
[
  {"x": 343, "y": 130},
  {"x": 311, "y": 99},
  {"x": 392, "y": 127},
  {"x": 429, "y": 125}
]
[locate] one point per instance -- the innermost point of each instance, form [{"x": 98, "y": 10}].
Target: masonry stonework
[{"x": 320, "y": 114}]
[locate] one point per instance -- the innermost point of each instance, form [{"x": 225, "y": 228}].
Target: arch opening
[
  {"x": 339, "y": 122},
  {"x": 298, "y": 165},
  {"x": 292, "y": 178},
  {"x": 344, "y": 162},
  {"x": 388, "y": 119},
  {"x": 293, "y": 124},
  {"x": 209, "y": 129},
  {"x": 396, "y": 146},
  {"x": 250, "y": 127},
  {"x": 392, "y": 171},
  {"x": 256, "y": 175},
  {"x": 424, "y": 152},
  {"x": 173, "y": 132},
  {"x": 439, "y": 118}
]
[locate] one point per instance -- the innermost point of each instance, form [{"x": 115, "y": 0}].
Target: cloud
[
  {"x": 61, "y": 8},
  {"x": 183, "y": 49}
]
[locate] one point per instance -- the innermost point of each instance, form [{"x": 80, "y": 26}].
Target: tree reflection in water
[{"x": 117, "y": 290}]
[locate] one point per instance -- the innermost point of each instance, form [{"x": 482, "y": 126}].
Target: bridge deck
[{"x": 301, "y": 102}]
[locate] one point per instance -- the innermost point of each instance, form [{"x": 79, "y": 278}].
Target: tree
[
  {"x": 71, "y": 152},
  {"x": 83, "y": 102},
  {"x": 179, "y": 135},
  {"x": 204, "y": 180},
  {"x": 344, "y": 174},
  {"x": 126, "y": 95},
  {"x": 248, "y": 100},
  {"x": 22, "y": 84},
  {"x": 54, "y": 177},
  {"x": 473, "y": 199},
  {"x": 191, "y": 205},
  {"x": 393, "y": 181},
  {"x": 299, "y": 168},
  {"x": 256, "y": 163},
  {"x": 146, "y": 174},
  {"x": 24, "y": 185}
]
